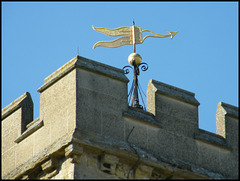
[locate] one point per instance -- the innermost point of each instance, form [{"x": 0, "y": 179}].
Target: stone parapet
[
  {"x": 227, "y": 124},
  {"x": 86, "y": 64},
  {"x": 174, "y": 92},
  {"x": 15, "y": 118},
  {"x": 25, "y": 103},
  {"x": 86, "y": 129}
]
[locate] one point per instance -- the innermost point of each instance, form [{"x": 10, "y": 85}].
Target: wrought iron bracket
[{"x": 135, "y": 86}]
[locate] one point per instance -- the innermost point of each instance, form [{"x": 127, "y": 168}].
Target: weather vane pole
[
  {"x": 132, "y": 36},
  {"x": 134, "y": 43}
]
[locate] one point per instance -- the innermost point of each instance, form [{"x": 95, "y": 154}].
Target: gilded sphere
[{"x": 136, "y": 57}]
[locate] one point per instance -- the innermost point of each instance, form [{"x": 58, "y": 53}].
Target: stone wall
[{"x": 87, "y": 130}]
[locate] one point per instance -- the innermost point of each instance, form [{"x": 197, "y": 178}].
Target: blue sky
[{"x": 40, "y": 37}]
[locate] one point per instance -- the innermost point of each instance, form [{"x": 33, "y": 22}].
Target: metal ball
[{"x": 136, "y": 57}]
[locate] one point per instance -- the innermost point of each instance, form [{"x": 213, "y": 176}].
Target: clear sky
[{"x": 40, "y": 37}]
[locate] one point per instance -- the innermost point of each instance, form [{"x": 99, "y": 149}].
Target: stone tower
[{"x": 87, "y": 130}]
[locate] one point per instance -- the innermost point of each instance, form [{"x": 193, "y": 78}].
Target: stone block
[
  {"x": 231, "y": 169},
  {"x": 89, "y": 119},
  {"x": 208, "y": 156},
  {"x": 66, "y": 170},
  {"x": 161, "y": 143},
  {"x": 108, "y": 164},
  {"x": 177, "y": 126},
  {"x": 8, "y": 161},
  {"x": 100, "y": 101},
  {"x": 97, "y": 111},
  {"x": 136, "y": 133},
  {"x": 24, "y": 150},
  {"x": 60, "y": 99},
  {"x": 101, "y": 83},
  {"x": 173, "y": 92},
  {"x": 177, "y": 109},
  {"x": 73, "y": 149},
  {"x": 175, "y": 116},
  {"x": 50, "y": 164},
  {"x": 120, "y": 172},
  {"x": 173, "y": 107},
  {"x": 232, "y": 138},
  {"x": 11, "y": 129},
  {"x": 31, "y": 128},
  {"x": 24, "y": 102},
  {"x": 42, "y": 138},
  {"x": 93, "y": 161},
  {"x": 227, "y": 123},
  {"x": 101, "y": 68},
  {"x": 125, "y": 171},
  {"x": 185, "y": 148},
  {"x": 112, "y": 125},
  {"x": 143, "y": 172}
]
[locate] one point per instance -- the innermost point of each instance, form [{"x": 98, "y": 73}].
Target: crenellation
[
  {"x": 227, "y": 124},
  {"x": 25, "y": 104},
  {"x": 212, "y": 139},
  {"x": 174, "y": 92},
  {"x": 86, "y": 129},
  {"x": 176, "y": 111},
  {"x": 31, "y": 128}
]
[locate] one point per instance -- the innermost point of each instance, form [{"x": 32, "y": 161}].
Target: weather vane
[{"x": 132, "y": 36}]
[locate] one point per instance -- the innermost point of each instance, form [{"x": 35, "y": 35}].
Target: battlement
[{"x": 87, "y": 130}]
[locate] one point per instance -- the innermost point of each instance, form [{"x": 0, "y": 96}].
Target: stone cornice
[
  {"x": 80, "y": 139},
  {"x": 9, "y": 109},
  {"x": 175, "y": 92},
  {"x": 87, "y": 64}
]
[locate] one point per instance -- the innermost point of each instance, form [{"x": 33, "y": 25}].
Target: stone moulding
[
  {"x": 31, "y": 128},
  {"x": 83, "y": 63},
  {"x": 212, "y": 139},
  {"x": 9, "y": 109},
  {"x": 74, "y": 143},
  {"x": 142, "y": 116},
  {"x": 25, "y": 104},
  {"x": 230, "y": 110},
  {"x": 175, "y": 92}
]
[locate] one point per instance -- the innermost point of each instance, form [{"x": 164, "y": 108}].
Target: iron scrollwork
[
  {"x": 144, "y": 66},
  {"x": 126, "y": 69}
]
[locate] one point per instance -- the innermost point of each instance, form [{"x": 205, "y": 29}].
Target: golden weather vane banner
[{"x": 132, "y": 36}]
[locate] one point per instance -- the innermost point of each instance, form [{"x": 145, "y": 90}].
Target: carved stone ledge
[
  {"x": 74, "y": 151},
  {"x": 141, "y": 116},
  {"x": 109, "y": 163},
  {"x": 123, "y": 171},
  {"x": 143, "y": 172},
  {"x": 25, "y": 177},
  {"x": 50, "y": 175},
  {"x": 49, "y": 165},
  {"x": 213, "y": 139},
  {"x": 50, "y": 168}
]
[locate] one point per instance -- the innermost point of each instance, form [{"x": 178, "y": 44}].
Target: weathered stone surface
[
  {"x": 74, "y": 151},
  {"x": 30, "y": 129},
  {"x": 11, "y": 129},
  {"x": 109, "y": 163},
  {"x": 86, "y": 130},
  {"x": 143, "y": 172},
  {"x": 50, "y": 164}
]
